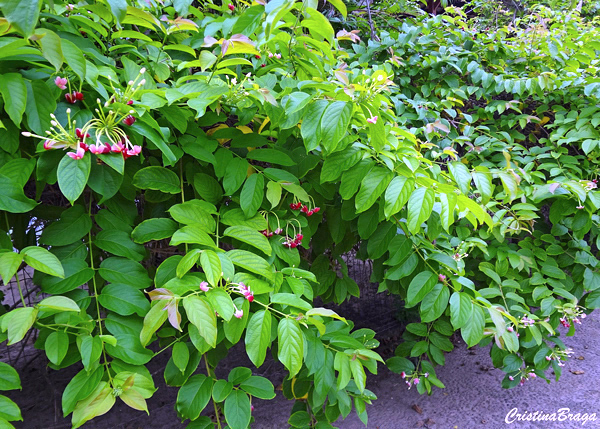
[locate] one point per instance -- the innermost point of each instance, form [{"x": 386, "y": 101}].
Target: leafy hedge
[{"x": 200, "y": 174}]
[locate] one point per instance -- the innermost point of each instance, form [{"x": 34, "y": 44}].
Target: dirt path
[{"x": 472, "y": 399}]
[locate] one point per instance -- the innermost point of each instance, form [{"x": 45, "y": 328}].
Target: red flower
[
  {"x": 130, "y": 102},
  {"x": 78, "y": 95},
  {"x": 231, "y": 7},
  {"x": 129, "y": 120},
  {"x": 263, "y": 65},
  {"x": 257, "y": 57}
]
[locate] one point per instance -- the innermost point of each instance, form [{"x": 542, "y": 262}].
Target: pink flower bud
[
  {"x": 441, "y": 277},
  {"x": 416, "y": 381},
  {"x": 548, "y": 358},
  {"x": 511, "y": 378},
  {"x": 204, "y": 286},
  {"x": 403, "y": 374},
  {"x": 239, "y": 313}
]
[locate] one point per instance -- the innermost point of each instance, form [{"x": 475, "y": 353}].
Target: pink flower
[
  {"x": 403, "y": 374},
  {"x": 117, "y": 147},
  {"x": 580, "y": 207},
  {"x": 372, "y": 120},
  {"x": 441, "y": 277},
  {"x": 511, "y": 378},
  {"x": 532, "y": 375},
  {"x": 204, "y": 286},
  {"x": 48, "y": 144},
  {"x": 426, "y": 374},
  {"x": 135, "y": 151},
  {"x": 510, "y": 329},
  {"x": 77, "y": 154},
  {"x": 97, "y": 149},
  {"x": 548, "y": 358},
  {"x": 61, "y": 82},
  {"x": 70, "y": 7},
  {"x": 416, "y": 381},
  {"x": 238, "y": 313}
]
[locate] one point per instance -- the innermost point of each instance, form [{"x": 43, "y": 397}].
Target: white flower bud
[
  {"x": 143, "y": 70},
  {"x": 54, "y": 123},
  {"x": 26, "y": 133},
  {"x": 68, "y": 111},
  {"x": 130, "y": 83},
  {"x": 142, "y": 82}
]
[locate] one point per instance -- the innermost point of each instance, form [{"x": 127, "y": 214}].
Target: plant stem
[
  {"x": 210, "y": 374},
  {"x": 20, "y": 290}
]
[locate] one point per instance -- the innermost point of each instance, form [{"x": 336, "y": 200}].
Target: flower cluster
[
  {"x": 412, "y": 379},
  {"x": 269, "y": 234},
  {"x": 292, "y": 244},
  {"x": 243, "y": 289},
  {"x": 304, "y": 209},
  {"x": 560, "y": 356}
]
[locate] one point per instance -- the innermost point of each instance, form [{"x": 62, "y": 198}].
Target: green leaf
[
  {"x": 104, "y": 180},
  {"x": 56, "y": 346},
  {"x": 9, "y": 378},
  {"x": 434, "y": 303},
  {"x": 194, "y": 212},
  {"x": 342, "y": 365},
  {"x": 181, "y": 356},
  {"x": 73, "y": 175},
  {"x": 158, "y": 179},
  {"x": 340, "y": 6},
  {"x": 420, "y": 206},
  {"x": 121, "y": 270},
  {"x": 372, "y": 186},
  {"x": 211, "y": 264},
  {"x": 74, "y": 224},
  {"x": 51, "y": 47},
  {"x": 290, "y": 299},
  {"x": 252, "y": 194},
  {"x": 221, "y": 302},
  {"x": 40, "y": 103},
  {"x": 187, "y": 262},
  {"x": 396, "y": 194},
  {"x": 248, "y": 21},
  {"x": 358, "y": 374},
  {"x": 483, "y": 181},
  {"x": 9, "y": 264},
  {"x": 23, "y": 14},
  {"x": 208, "y": 188},
  {"x": 74, "y": 58},
  {"x": 58, "y": 304},
  {"x": 118, "y": 243},
  {"x": 12, "y": 198},
  {"x": 472, "y": 331},
  {"x": 291, "y": 345},
  {"x": 202, "y": 316},
  {"x": 258, "y": 387},
  {"x": 334, "y": 124},
  {"x": 124, "y": 300},
  {"x": 152, "y": 321},
  {"x": 235, "y": 327},
  {"x": 237, "y": 410},
  {"x": 235, "y": 174},
  {"x": 251, "y": 262},
  {"x": 273, "y": 193},
  {"x": 153, "y": 229},
  {"x": 99, "y": 402},
  {"x": 258, "y": 336},
  {"x": 311, "y": 124},
  {"x": 14, "y": 95},
  {"x": 461, "y": 175},
  {"x": 194, "y": 395},
  {"x": 249, "y": 236},
  {"x": 42, "y": 260},
  {"x": 118, "y": 9},
  {"x": 461, "y": 308},
  {"x": 19, "y": 321},
  {"x": 9, "y": 410},
  {"x": 79, "y": 388},
  {"x": 221, "y": 390},
  {"x": 272, "y": 156},
  {"x": 145, "y": 130},
  {"x": 192, "y": 234},
  {"x": 420, "y": 286},
  {"x": 335, "y": 164},
  {"x": 90, "y": 349}
]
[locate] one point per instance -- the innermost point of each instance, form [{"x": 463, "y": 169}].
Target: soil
[{"x": 473, "y": 397}]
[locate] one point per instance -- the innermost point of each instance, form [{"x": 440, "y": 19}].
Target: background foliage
[{"x": 200, "y": 171}]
